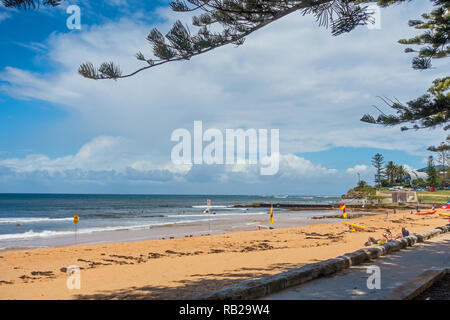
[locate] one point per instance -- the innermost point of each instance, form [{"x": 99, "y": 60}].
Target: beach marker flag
[
  {"x": 344, "y": 212},
  {"x": 75, "y": 222},
  {"x": 271, "y": 214}
]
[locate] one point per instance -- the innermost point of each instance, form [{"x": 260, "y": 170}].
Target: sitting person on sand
[
  {"x": 372, "y": 241},
  {"x": 405, "y": 232},
  {"x": 388, "y": 235}
]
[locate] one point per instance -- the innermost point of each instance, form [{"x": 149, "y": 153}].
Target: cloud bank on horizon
[{"x": 114, "y": 136}]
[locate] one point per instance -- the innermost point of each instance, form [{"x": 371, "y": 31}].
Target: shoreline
[
  {"x": 186, "y": 267},
  {"x": 217, "y": 224}
]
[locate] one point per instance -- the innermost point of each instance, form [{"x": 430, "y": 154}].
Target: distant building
[
  {"x": 438, "y": 167},
  {"x": 404, "y": 196},
  {"x": 416, "y": 174}
]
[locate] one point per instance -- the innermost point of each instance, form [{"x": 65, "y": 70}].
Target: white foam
[
  {"x": 217, "y": 214},
  {"x": 31, "y": 220},
  {"x": 50, "y": 233},
  {"x": 224, "y": 207}
]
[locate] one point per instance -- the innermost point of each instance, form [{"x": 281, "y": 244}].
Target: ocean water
[{"x": 33, "y": 219}]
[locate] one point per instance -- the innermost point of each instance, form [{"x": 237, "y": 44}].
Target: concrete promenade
[{"x": 397, "y": 271}]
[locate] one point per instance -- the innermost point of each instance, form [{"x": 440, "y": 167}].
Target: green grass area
[
  {"x": 432, "y": 199},
  {"x": 380, "y": 197},
  {"x": 437, "y": 193}
]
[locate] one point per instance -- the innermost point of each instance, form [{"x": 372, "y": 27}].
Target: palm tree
[
  {"x": 401, "y": 174},
  {"x": 391, "y": 171}
]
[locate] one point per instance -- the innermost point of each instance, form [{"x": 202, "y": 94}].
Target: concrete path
[{"x": 396, "y": 270}]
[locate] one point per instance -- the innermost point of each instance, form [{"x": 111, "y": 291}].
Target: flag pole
[
  {"x": 75, "y": 222},
  {"x": 208, "y": 203},
  {"x": 271, "y": 214}
]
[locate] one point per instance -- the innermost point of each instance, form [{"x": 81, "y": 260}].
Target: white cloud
[
  {"x": 119, "y": 156},
  {"x": 357, "y": 169},
  {"x": 4, "y": 16},
  {"x": 291, "y": 75},
  {"x": 292, "y": 167},
  {"x": 102, "y": 153},
  {"x": 283, "y": 77}
]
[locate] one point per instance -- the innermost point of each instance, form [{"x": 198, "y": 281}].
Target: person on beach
[
  {"x": 371, "y": 241},
  {"x": 388, "y": 235},
  {"x": 405, "y": 232}
]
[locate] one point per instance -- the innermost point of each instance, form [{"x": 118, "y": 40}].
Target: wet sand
[
  {"x": 189, "y": 266},
  {"x": 210, "y": 224}
]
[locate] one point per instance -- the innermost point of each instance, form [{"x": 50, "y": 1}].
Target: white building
[{"x": 414, "y": 174}]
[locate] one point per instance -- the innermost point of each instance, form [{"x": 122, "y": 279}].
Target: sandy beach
[{"x": 189, "y": 266}]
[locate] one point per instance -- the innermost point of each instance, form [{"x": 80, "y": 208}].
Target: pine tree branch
[
  {"x": 240, "y": 18},
  {"x": 28, "y": 4}
]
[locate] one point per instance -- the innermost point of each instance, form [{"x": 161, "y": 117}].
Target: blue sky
[{"x": 62, "y": 133}]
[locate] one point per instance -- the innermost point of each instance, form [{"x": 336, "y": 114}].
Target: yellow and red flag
[
  {"x": 344, "y": 212},
  {"x": 271, "y": 214}
]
